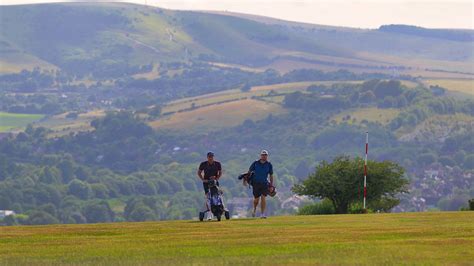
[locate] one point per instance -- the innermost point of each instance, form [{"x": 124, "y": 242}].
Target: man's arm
[
  {"x": 219, "y": 172},
  {"x": 199, "y": 173},
  {"x": 271, "y": 174}
]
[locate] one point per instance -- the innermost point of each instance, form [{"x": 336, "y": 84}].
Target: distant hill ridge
[
  {"x": 99, "y": 37},
  {"x": 447, "y": 34}
]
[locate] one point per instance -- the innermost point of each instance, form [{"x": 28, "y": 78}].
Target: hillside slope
[
  {"x": 106, "y": 37},
  {"x": 411, "y": 238}
]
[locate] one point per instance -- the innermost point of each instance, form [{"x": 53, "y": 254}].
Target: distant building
[
  {"x": 293, "y": 202},
  {"x": 5, "y": 213}
]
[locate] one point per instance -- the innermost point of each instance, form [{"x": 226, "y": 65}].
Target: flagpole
[{"x": 365, "y": 166}]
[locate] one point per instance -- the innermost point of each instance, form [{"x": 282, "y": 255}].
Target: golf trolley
[{"x": 215, "y": 203}]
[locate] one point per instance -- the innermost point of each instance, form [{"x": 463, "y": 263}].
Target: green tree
[
  {"x": 341, "y": 180},
  {"x": 41, "y": 217},
  {"x": 98, "y": 212},
  {"x": 67, "y": 170},
  {"x": 50, "y": 175},
  {"x": 79, "y": 189},
  {"x": 141, "y": 213},
  {"x": 10, "y": 220}
]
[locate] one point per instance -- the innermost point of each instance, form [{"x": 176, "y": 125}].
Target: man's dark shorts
[
  {"x": 260, "y": 189},
  {"x": 206, "y": 186}
]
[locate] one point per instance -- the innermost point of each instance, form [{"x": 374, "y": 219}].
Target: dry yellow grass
[
  {"x": 204, "y": 100},
  {"x": 241, "y": 67},
  {"x": 219, "y": 115},
  {"x": 62, "y": 126},
  {"x": 214, "y": 102},
  {"x": 236, "y": 94},
  {"x": 409, "y": 84},
  {"x": 418, "y": 66},
  {"x": 459, "y": 85},
  {"x": 372, "y": 114},
  {"x": 294, "y": 86}
]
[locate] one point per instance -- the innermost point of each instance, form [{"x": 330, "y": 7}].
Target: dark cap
[{"x": 210, "y": 154}]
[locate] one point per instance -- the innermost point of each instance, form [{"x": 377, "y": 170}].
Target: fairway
[{"x": 410, "y": 238}]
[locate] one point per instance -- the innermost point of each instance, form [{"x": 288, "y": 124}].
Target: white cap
[{"x": 264, "y": 152}]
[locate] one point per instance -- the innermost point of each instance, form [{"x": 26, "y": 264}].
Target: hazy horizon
[{"x": 358, "y": 14}]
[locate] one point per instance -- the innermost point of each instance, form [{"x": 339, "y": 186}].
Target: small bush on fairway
[
  {"x": 323, "y": 207},
  {"x": 357, "y": 208}
]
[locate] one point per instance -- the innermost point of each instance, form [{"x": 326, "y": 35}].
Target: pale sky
[{"x": 351, "y": 13}]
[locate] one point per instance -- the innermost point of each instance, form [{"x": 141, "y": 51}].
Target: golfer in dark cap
[{"x": 212, "y": 170}]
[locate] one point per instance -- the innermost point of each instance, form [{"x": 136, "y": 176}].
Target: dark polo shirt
[{"x": 210, "y": 169}]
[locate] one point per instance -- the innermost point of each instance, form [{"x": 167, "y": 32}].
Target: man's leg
[
  {"x": 255, "y": 204},
  {"x": 263, "y": 206},
  {"x": 210, "y": 216},
  {"x": 208, "y": 207}
]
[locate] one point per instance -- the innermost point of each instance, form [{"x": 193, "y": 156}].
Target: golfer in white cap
[{"x": 262, "y": 179}]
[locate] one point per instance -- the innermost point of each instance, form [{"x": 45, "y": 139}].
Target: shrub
[
  {"x": 356, "y": 208},
  {"x": 323, "y": 207}
]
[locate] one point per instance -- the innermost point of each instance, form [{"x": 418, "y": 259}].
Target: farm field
[
  {"x": 373, "y": 114},
  {"x": 236, "y": 94},
  {"x": 230, "y": 106},
  {"x": 457, "y": 85},
  {"x": 219, "y": 115},
  {"x": 60, "y": 125},
  {"x": 230, "y": 98},
  {"x": 256, "y": 91},
  {"x": 12, "y": 121},
  {"x": 436, "y": 238}
]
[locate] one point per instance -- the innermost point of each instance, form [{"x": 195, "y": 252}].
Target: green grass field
[
  {"x": 437, "y": 238},
  {"x": 10, "y": 121}
]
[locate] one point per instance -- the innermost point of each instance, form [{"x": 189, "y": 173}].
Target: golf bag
[
  {"x": 247, "y": 177},
  {"x": 215, "y": 202}
]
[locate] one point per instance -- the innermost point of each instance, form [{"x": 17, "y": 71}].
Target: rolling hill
[
  {"x": 124, "y": 99},
  {"x": 101, "y": 37}
]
